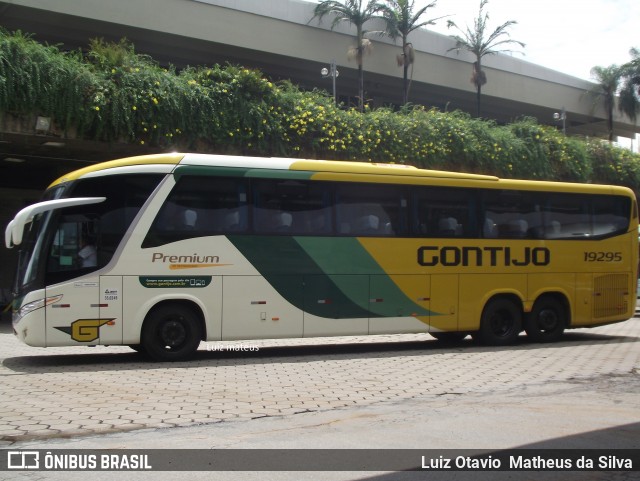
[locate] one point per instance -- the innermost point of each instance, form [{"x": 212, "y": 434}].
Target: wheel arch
[
  {"x": 190, "y": 303},
  {"x": 511, "y": 295},
  {"x": 560, "y": 297}
]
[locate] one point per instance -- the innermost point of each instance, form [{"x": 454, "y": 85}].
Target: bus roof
[
  {"x": 126, "y": 162},
  {"x": 333, "y": 169},
  {"x": 270, "y": 163}
]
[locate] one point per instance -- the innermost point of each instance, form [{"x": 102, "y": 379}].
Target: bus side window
[
  {"x": 517, "y": 229},
  {"x": 371, "y": 210},
  {"x": 445, "y": 212},
  {"x": 292, "y": 207},
  {"x": 448, "y": 227},
  {"x": 368, "y": 225},
  {"x": 572, "y": 216},
  {"x": 516, "y": 214},
  {"x": 231, "y": 221},
  {"x": 314, "y": 213},
  {"x": 610, "y": 215},
  {"x": 282, "y": 221},
  {"x": 566, "y": 216},
  {"x": 200, "y": 206},
  {"x": 489, "y": 229}
]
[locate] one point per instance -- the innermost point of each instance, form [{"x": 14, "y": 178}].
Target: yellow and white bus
[{"x": 162, "y": 252}]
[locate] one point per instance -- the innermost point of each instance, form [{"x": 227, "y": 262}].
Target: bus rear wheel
[
  {"x": 501, "y": 322},
  {"x": 171, "y": 333},
  {"x": 547, "y": 320}
]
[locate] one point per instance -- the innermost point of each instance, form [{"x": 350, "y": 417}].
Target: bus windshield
[
  {"x": 29, "y": 254},
  {"x": 30, "y": 251},
  {"x": 64, "y": 243}
]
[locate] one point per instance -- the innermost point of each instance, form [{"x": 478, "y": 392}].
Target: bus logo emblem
[{"x": 85, "y": 330}]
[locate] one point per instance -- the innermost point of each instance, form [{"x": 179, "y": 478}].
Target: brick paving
[{"x": 65, "y": 392}]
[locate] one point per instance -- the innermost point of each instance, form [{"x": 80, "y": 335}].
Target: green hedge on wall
[{"x": 110, "y": 93}]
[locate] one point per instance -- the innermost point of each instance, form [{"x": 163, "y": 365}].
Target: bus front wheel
[
  {"x": 501, "y": 322},
  {"x": 546, "y": 321},
  {"x": 171, "y": 333}
]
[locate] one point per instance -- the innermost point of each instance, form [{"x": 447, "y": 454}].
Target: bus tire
[
  {"x": 547, "y": 320},
  {"x": 449, "y": 337},
  {"x": 501, "y": 322},
  {"x": 171, "y": 332}
]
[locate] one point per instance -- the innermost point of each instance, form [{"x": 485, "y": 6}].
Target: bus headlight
[{"x": 32, "y": 306}]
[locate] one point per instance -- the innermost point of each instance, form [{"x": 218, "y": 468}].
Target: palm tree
[
  {"x": 353, "y": 12},
  {"x": 476, "y": 41},
  {"x": 400, "y": 21},
  {"x": 608, "y": 81},
  {"x": 629, "y": 101}
]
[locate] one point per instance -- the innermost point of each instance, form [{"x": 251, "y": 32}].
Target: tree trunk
[
  {"x": 359, "y": 60},
  {"x": 609, "y": 107},
  {"x": 405, "y": 85},
  {"x": 479, "y": 81},
  {"x": 360, "y": 87},
  {"x": 405, "y": 68}
]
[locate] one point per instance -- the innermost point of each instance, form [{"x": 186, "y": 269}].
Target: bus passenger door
[
  {"x": 401, "y": 303},
  {"x": 74, "y": 316},
  {"x": 110, "y": 303}
]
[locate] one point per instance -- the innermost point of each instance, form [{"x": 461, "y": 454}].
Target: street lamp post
[
  {"x": 562, "y": 115},
  {"x": 332, "y": 72}
]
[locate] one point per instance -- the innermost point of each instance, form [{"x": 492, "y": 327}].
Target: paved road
[{"x": 403, "y": 391}]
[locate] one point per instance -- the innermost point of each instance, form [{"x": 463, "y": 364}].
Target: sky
[{"x": 570, "y": 36}]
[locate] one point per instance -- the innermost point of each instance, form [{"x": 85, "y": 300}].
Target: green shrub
[
  {"x": 41, "y": 79},
  {"x": 111, "y": 93},
  {"x": 613, "y": 165}
]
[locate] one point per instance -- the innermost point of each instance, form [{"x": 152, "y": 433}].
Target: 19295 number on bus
[{"x": 602, "y": 256}]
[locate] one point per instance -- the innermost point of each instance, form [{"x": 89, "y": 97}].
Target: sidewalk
[{"x": 63, "y": 392}]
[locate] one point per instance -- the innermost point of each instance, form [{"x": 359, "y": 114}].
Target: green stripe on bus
[
  {"x": 203, "y": 170},
  {"x": 279, "y": 174},
  {"x": 333, "y": 254},
  {"x": 297, "y": 278},
  {"x": 309, "y": 272}
]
